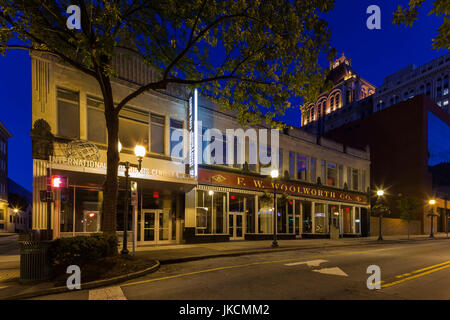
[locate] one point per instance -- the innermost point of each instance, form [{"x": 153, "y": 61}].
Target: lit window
[{"x": 68, "y": 113}]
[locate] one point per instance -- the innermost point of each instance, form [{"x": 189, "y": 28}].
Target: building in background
[
  {"x": 349, "y": 99},
  {"x": 4, "y": 136},
  {"x": 431, "y": 79},
  {"x": 20, "y": 208},
  {"x": 404, "y": 141}
]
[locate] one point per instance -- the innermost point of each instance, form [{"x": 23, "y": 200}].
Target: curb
[
  {"x": 87, "y": 285},
  {"x": 260, "y": 251}
]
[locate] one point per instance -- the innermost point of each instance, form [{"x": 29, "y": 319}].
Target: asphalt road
[{"x": 417, "y": 270}]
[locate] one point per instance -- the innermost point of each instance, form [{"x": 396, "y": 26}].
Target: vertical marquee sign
[{"x": 193, "y": 135}]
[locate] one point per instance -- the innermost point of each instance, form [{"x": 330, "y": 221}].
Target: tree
[
  {"x": 407, "y": 16},
  {"x": 250, "y": 56},
  {"x": 408, "y": 208}
]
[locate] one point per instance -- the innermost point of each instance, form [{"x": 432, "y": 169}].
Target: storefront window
[
  {"x": 66, "y": 216},
  {"x": 88, "y": 210},
  {"x": 265, "y": 217},
  {"x": 333, "y": 214},
  {"x": 347, "y": 219},
  {"x": 298, "y": 211},
  {"x": 307, "y": 217},
  {"x": 281, "y": 217},
  {"x": 290, "y": 216},
  {"x": 250, "y": 213},
  {"x": 211, "y": 212},
  {"x": 320, "y": 218}
]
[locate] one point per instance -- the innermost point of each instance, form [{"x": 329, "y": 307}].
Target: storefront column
[{"x": 256, "y": 214}]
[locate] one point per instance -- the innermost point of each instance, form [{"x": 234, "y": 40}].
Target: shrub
[{"x": 81, "y": 249}]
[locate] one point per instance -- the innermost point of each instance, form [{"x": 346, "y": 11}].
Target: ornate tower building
[{"x": 347, "y": 100}]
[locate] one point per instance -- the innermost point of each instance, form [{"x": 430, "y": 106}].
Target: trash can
[{"x": 34, "y": 261}]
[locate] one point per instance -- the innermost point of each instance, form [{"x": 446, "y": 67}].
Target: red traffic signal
[{"x": 58, "y": 182}]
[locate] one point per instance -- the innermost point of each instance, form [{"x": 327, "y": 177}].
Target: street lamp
[
  {"x": 139, "y": 151},
  {"x": 274, "y": 175},
  {"x": 380, "y": 193},
  {"x": 432, "y": 202}
]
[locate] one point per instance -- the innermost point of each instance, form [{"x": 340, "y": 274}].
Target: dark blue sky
[{"x": 374, "y": 53}]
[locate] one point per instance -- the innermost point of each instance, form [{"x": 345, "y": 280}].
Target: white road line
[
  {"x": 312, "y": 263},
  {"x": 109, "y": 293},
  {"x": 333, "y": 271}
]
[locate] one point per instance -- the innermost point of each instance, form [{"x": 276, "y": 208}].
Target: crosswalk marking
[
  {"x": 109, "y": 293},
  {"x": 312, "y": 263}
]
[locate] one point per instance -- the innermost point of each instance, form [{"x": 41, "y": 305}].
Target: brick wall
[{"x": 393, "y": 226}]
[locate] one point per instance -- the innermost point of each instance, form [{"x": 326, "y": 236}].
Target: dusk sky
[{"x": 374, "y": 53}]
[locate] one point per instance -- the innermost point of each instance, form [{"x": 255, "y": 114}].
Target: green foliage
[
  {"x": 268, "y": 50},
  {"x": 407, "y": 16},
  {"x": 408, "y": 208},
  {"x": 81, "y": 249},
  {"x": 380, "y": 209}
]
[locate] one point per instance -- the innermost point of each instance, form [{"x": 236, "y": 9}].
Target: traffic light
[{"x": 58, "y": 182}]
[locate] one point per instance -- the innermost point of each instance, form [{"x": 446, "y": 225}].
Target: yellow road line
[
  {"x": 415, "y": 276},
  {"x": 421, "y": 270},
  {"x": 248, "y": 265}
]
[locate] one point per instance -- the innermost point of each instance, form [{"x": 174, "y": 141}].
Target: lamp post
[
  {"x": 274, "y": 175},
  {"x": 432, "y": 202},
  {"x": 380, "y": 193},
  {"x": 139, "y": 151}
]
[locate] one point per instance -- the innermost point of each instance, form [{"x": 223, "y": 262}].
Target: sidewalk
[{"x": 166, "y": 254}]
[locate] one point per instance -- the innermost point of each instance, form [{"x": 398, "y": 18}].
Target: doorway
[
  {"x": 156, "y": 227},
  {"x": 236, "y": 225}
]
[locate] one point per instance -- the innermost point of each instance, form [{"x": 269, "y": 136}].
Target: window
[
  {"x": 302, "y": 167},
  {"x": 292, "y": 165},
  {"x": 439, "y": 88},
  {"x": 96, "y": 120},
  {"x": 133, "y": 128},
  {"x": 341, "y": 176},
  {"x": 422, "y": 89},
  {"x": 265, "y": 216},
  {"x": 157, "y": 133},
  {"x": 320, "y": 218},
  {"x": 363, "y": 181},
  {"x": 280, "y": 161},
  {"x": 211, "y": 212},
  {"x": 307, "y": 219},
  {"x": 332, "y": 106},
  {"x": 445, "y": 86},
  {"x": 2, "y": 214},
  {"x": 331, "y": 174},
  {"x": 250, "y": 214},
  {"x": 355, "y": 179},
  {"x": 68, "y": 113},
  {"x": 428, "y": 89},
  {"x": 313, "y": 177},
  {"x": 357, "y": 220},
  {"x": 338, "y": 100},
  {"x": 176, "y": 138}
]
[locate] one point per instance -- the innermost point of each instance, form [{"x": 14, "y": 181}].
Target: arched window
[
  {"x": 338, "y": 100},
  {"x": 332, "y": 106}
]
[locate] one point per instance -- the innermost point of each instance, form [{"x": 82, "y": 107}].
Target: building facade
[
  {"x": 402, "y": 149},
  {"x": 4, "y": 136},
  {"x": 177, "y": 198},
  {"x": 349, "y": 99},
  {"x": 320, "y": 185},
  {"x": 431, "y": 79}
]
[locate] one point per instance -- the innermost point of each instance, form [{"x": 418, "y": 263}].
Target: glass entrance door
[
  {"x": 156, "y": 227},
  {"x": 236, "y": 225}
]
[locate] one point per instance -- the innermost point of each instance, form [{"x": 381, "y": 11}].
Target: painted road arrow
[{"x": 333, "y": 271}]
